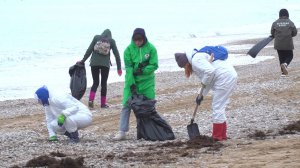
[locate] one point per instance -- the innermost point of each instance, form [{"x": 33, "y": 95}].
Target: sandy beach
[{"x": 262, "y": 102}]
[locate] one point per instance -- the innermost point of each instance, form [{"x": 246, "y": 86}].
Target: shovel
[{"x": 192, "y": 128}]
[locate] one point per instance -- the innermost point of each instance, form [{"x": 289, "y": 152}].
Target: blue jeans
[{"x": 124, "y": 119}]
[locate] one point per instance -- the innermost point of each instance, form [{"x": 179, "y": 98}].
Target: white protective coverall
[
  {"x": 78, "y": 116},
  {"x": 219, "y": 76}
]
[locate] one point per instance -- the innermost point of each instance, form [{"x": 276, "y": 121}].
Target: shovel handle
[
  {"x": 196, "y": 108},
  {"x": 194, "y": 114}
]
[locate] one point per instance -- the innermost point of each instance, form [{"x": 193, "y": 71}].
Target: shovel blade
[{"x": 193, "y": 131}]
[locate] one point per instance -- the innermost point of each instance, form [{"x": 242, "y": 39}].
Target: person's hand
[
  {"x": 133, "y": 89},
  {"x": 61, "y": 119},
  {"x": 53, "y": 138},
  {"x": 138, "y": 72},
  {"x": 120, "y": 72},
  {"x": 80, "y": 62},
  {"x": 212, "y": 57},
  {"x": 199, "y": 99}
]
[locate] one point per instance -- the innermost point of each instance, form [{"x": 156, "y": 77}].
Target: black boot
[
  {"x": 67, "y": 134},
  {"x": 74, "y": 137}
]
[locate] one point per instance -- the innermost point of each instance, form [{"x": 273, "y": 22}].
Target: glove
[
  {"x": 133, "y": 89},
  {"x": 61, "y": 119},
  {"x": 199, "y": 99},
  {"x": 143, "y": 64},
  {"x": 138, "y": 72},
  {"x": 53, "y": 138},
  {"x": 120, "y": 72}
]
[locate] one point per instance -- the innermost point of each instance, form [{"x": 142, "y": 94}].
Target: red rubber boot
[
  {"x": 217, "y": 131},
  {"x": 224, "y": 134}
]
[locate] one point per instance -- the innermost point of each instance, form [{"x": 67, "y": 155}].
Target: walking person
[
  {"x": 215, "y": 73},
  {"x": 64, "y": 114},
  {"x": 283, "y": 30},
  {"x": 141, "y": 61},
  {"x": 100, "y": 63}
]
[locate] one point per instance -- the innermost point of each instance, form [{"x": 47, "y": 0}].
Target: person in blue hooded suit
[{"x": 64, "y": 114}]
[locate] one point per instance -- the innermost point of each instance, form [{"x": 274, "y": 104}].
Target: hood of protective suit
[
  {"x": 43, "y": 95},
  {"x": 189, "y": 55}
]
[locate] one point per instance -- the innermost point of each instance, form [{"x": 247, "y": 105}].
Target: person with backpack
[
  {"x": 141, "y": 61},
  {"x": 100, "y": 63},
  {"x": 64, "y": 114},
  {"x": 283, "y": 30},
  {"x": 215, "y": 73}
]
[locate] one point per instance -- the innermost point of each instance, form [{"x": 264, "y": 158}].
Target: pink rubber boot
[
  {"x": 103, "y": 102},
  {"x": 91, "y": 99}
]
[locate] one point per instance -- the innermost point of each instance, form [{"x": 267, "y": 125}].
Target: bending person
[
  {"x": 215, "y": 73},
  {"x": 64, "y": 114}
]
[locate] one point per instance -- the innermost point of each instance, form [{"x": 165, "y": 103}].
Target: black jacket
[{"x": 283, "y": 30}]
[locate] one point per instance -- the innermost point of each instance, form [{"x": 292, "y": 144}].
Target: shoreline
[{"x": 234, "y": 52}]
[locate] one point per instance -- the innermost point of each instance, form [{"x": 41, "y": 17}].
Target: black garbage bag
[
  {"x": 150, "y": 126},
  {"x": 78, "y": 80},
  {"x": 259, "y": 46}
]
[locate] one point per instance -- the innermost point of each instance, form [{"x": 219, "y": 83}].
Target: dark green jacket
[
  {"x": 99, "y": 59},
  {"x": 283, "y": 30},
  {"x": 145, "y": 83}
]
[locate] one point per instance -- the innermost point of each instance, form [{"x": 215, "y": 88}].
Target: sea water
[{"x": 40, "y": 40}]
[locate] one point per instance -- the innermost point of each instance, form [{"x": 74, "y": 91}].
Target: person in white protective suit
[
  {"x": 210, "y": 65},
  {"x": 64, "y": 114}
]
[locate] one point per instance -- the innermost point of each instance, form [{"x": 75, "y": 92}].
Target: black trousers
[
  {"x": 285, "y": 56},
  {"x": 96, "y": 70}
]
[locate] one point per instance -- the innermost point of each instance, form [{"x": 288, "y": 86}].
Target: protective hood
[
  {"x": 43, "y": 95},
  {"x": 106, "y": 33},
  {"x": 189, "y": 55}
]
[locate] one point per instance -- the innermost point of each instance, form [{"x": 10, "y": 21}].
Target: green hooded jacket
[
  {"x": 99, "y": 59},
  {"x": 145, "y": 83}
]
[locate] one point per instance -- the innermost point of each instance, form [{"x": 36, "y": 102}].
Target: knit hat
[
  {"x": 181, "y": 59},
  {"x": 43, "y": 95},
  {"x": 283, "y": 12}
]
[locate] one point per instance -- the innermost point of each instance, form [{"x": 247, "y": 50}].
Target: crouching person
[
  {"x": 64, "y": 114},
  {"x": 210, "y": 65}
]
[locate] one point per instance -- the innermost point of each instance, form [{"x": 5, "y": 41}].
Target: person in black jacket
[{"x": 283, "y": 30}]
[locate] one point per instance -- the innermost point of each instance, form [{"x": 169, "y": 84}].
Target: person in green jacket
[
  {"x": 283, "y": 30},
  {"x": 100, "y": 62},
  {"x": 141, "y": 61}
]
